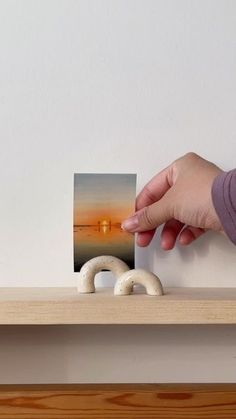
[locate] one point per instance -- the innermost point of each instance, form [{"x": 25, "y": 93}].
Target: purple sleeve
[{"x": 224, "y": 200}]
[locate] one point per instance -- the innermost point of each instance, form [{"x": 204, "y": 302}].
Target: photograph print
[{"x": 101, "y": 203}]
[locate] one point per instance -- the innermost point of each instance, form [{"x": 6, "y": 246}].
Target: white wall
[{"x": 110, "y": 86}]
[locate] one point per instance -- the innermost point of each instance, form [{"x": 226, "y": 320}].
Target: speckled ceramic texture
[
  {"x": 124, "y": 284},
  {"x": 93, "y": 266}
]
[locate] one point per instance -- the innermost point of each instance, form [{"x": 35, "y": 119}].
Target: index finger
[{"x": 153, "y": 190}]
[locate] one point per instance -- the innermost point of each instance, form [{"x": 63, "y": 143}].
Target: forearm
[{"x": 224, "y": 200}]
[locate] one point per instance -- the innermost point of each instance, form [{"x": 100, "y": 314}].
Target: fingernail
[
  {"x": 163, "y": 244},
  {"x": 130, "y": 224}
]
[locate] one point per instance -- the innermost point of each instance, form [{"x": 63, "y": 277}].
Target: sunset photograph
[{"x": 101, "y": 203}]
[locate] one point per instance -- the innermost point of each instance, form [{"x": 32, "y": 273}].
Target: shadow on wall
[
  {"x": 209, "y": 255},
  {"x": 119, "y": 354},
  {"x": 32, "y": 354}
]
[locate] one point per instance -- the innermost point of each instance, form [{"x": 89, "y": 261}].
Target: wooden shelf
[
  {"x": 126, "y": 401},
  {"x": 65, "y": 306}
]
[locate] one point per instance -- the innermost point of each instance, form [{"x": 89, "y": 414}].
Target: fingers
[
  {"x": 143, "y": 239},
  {"x": 189, "y": 234},
  {"x": 149, "y": 218},
  {"x": 170, "y": 233},
  {"x": 171, "y": 230},
  {"x": 154, "y": 190}
]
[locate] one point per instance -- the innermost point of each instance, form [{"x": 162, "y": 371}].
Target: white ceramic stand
[
  {"x": 126, "y": 278},
  {"x": 124, "y": 284},
  {"x": 93, "y": 266}
]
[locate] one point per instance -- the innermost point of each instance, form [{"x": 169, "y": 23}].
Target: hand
[{"x": 180, "y": 197}]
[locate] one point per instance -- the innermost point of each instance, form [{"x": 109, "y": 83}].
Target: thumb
[{"x": 148, "y": 218}]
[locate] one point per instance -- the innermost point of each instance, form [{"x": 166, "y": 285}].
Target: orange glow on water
[{"x": 91, "y": 217}]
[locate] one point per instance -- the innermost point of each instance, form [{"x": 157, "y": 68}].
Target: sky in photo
[{"x": 99, "y": 197}]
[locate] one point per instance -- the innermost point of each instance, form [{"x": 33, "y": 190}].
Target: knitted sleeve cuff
[{"x": 224, "y": 201}]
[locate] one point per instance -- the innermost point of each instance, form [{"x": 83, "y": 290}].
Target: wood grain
[
  {"x": 66, "y": 306},
  {"x": 116, "y": 401}
]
